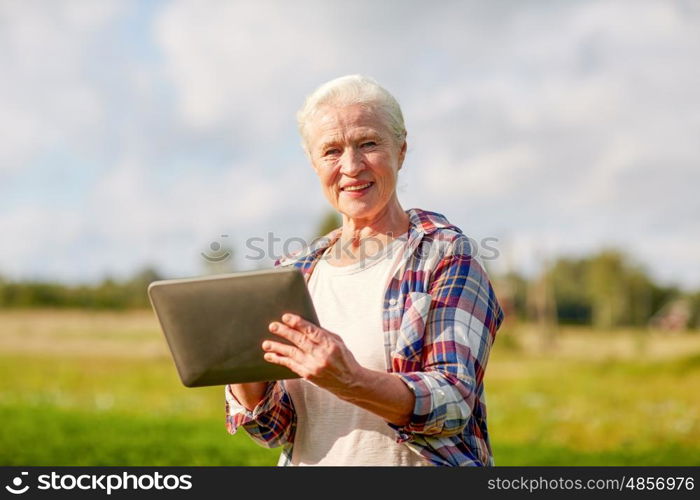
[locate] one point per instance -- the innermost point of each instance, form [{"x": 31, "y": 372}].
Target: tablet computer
[{"x": 215, "y": 325}]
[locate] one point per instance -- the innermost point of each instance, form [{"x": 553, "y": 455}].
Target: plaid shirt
[{"x": 440, "y": 320}]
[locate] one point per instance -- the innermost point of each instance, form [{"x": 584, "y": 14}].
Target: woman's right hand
[{"x": 249, "y": 394}]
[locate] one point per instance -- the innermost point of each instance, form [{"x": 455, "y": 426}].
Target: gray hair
[{"x": 349, "y": 90}]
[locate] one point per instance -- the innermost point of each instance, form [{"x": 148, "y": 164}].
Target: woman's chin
[{"x": 357, "y": 210}]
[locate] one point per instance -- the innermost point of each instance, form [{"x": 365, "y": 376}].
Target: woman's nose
[{"x": 351, "y": 162}]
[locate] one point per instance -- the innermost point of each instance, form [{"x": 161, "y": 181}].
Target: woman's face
[{"x": 357, "y": 160}]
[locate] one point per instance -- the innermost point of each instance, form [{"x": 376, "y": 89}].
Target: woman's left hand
[{"x": 316, "y": 354}]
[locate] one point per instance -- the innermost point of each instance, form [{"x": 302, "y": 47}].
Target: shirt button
[{"x": 392, "y": 302}]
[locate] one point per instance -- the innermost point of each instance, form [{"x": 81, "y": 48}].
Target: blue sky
[{"x": 136, "y": 133}]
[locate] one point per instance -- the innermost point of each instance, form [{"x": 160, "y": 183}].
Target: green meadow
[{"x": 89, "y": 388}]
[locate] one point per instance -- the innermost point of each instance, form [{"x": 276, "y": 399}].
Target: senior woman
[{"x": 393, "y": 374}]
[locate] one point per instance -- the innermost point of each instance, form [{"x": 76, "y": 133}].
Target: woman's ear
[{"x": 402, "y": 154}]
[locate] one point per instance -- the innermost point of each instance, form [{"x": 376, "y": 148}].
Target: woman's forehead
[{"x": 355, "y": 119}]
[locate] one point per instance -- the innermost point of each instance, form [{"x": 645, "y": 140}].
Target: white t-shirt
[{"x": 348, "y": 301}]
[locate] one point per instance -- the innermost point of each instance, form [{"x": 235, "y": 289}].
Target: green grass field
[{"x": 81, "y": 388}]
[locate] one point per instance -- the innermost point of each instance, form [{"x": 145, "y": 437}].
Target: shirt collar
[
  {"x": 421, "y": 224},
  {"x": 425, "y": 222}
]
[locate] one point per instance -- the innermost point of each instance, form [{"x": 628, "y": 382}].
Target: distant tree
[
  {"x": 568, "y": 280},
  {"x": 146, "y": 276},
  {"x": 694, "y": 299},
  {"x": 110, "y": 294},
  {"x": 640, "y": 292},
  {"x": 606, "y": 283},
  {"x": 542, "y": 308},
  {"x": 512, "y": 291},
  {"x": 136, "y": 288},
  {"x": 606, "y": 290}
]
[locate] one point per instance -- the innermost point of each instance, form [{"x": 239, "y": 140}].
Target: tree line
[
  {"x": 108, "y": 294},
  {"x": 603, "y": 290}
]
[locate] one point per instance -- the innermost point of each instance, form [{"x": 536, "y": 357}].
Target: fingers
[
  {"x": 293, "y": 365},
  {"x": 295, "y": 337},
  {"x": 313, "y": 332},
  {"x": 298, "y": 331},
  {"x": 312, "y": 351},
  {"x": 285, "y": 350}
]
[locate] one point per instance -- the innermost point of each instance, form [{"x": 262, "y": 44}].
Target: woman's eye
[{"x": 331, "y": 152}]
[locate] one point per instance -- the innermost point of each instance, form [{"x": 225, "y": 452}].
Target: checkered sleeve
[
  {"x": 271, "y": 423},
  {"x": 450, "y": 330}
]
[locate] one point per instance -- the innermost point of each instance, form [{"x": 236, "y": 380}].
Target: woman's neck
[{"x": 392, "y": 222}]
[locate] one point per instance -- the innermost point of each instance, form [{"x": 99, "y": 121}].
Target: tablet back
[{"x": 215, "y": 325}]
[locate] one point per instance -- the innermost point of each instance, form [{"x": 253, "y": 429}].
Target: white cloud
[
  {"x": 45, "y": 93},
  {"x": 487, "y": 175},
  {"x": 238, "y": 64}
]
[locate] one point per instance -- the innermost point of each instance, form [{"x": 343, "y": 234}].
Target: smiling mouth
[{"x": 355, "y": 189}]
